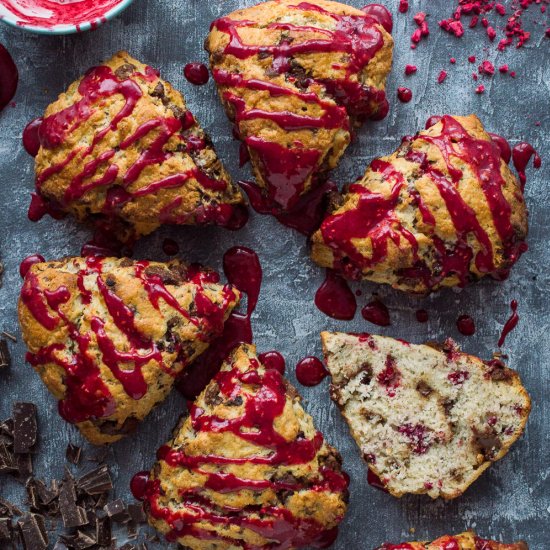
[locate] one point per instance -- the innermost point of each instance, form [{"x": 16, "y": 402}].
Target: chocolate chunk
[
  {"x": 5, "y": 357},
  {"x": 6, "y": 530},
  {"x": 212, "y": 395},
  {"x": 498, "y": 371},
  {"x": 6, "y": 428},
  {"x": 116, "y": 510},
  {"x": 488, "y": 443},
  {"x": 167, "y": 276},
  {"x": 41, "y": 496},
  {"x": 24, "y": 427},
  {"x": 125, "y": 71},
  {"x": 60, "y": 545},
  {"x": 158, "y": 91},
  {"x": 128, "y": 546},
  {"x": 103, "y": 531},
  {"x": 24, "y": 466},
  {"x": 33, "y": 532},
  {"x": 8, "y": 510},
  {"x": 366, "y": 376},
  {"x": 110, "y": 427},
  {"x": 82, "y": 540},
  {"x": 96, "y": 481},
  {"x": 72, "y": 514},
  {"x": 73, "y": 453},
  {"x": 137, "y": 513},
  {"x": 132, "y": 530},
  {"x": 423, "y": 389}
]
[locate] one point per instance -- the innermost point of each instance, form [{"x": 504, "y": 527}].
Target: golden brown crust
[
  {"x": 152, "y": 138},
  {"x": 73, "y": 311},
  {"x": 464, "y": 541},
  {"x": 295, "y": 490},
  {"x": 440, "y": 226},
  {"x": 323, "y": 83},
  {"x": 428, "y": 421}
]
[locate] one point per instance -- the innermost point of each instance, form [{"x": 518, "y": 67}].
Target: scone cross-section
[
  {"x": 247, "y": 468},
  {"x": 464, "y": 541},
  {"x": 295, "y": 78},
  {"x": 443, "y": 210},
  {"x": 121, "y": 144},
  {"x": 108, "y": 336},
  {"x": 428, "y": 420}
]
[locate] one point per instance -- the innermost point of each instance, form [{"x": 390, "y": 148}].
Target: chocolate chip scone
[
  {"x": 465, "y": 541},
  {"x": 426, "y": 419},
  {"x": 443, "y": 210},
  {"x": 247, "y": 468},
  {"x": 108, "y": 336},
  {"x": 295, "y": 78},
  {"x": 121, "y": 143}
]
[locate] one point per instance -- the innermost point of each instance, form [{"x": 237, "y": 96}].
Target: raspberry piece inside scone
[
  {"x": 464, "y": 541},
  {"x": 443, "y": 210},
  {"x": 295, "y": 78},
  {"x": 121, "y": 143},
  {"x": 247, "y": 468},
  {"x": 436, "y": 423},
  {"x": 109, "y": 336}
]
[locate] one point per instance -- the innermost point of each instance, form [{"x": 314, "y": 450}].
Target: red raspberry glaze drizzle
[
  {"x": 87, "y": 396},
  {"x": 287, "y": 169},
  {"x": 102, "y": 171},
  {"x": 256, "y": 426},
  {"x": 374, "y": 217}
]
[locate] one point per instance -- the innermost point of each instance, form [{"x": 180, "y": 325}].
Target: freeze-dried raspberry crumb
[
  {"x": 410, "y": 69},
  {"x": 487, "y": 68},
  {"x": 452, "y": 60},
  {"x": 472, "y": 58},
  {"x": 480, "y": 89},
  {"x": 403, "y": 6},
  {"x": 503, "y": 68}
]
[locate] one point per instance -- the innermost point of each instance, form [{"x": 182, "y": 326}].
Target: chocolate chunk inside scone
[
  {"x": 295, "y": 77},
  {"x": 247, "y": 468},
  {"x": 121, "y": 143},
  {"x": 443, "y": 210},
  {"x": 108, "y": 336},
  {"x": 465, "y": 541},
  {"x": 426, "y": 420}
]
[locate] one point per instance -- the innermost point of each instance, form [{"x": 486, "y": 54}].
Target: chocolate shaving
[
  {"x": 116, "y": 510},
  {"x": 33, "y": 532},
  {"x": 11, "y": 337},
  {"x": 5, "y": 357},
  {"x": 96, "y": 481},
  {"x": 73, "y": 453},
  {"x": 6, "y": 530},
  {"x": 8, "y": 463},
  {"x": 25, "y": 429}
]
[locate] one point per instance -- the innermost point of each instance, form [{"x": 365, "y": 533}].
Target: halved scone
[
  {"x": 464, "y": 541},
  {"x": 108, "y": 336},
  {"x": 247, "y": 468},
  {"x": 427, "y": 419},
  {"x": 295, "y": 78},
  {"x": 443, "y": 210},
  {"x": 121, "y": 143}
]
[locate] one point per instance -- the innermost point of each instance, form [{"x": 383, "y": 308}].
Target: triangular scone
[
  {"x": 443, "y": 210},
  {"x": 295, "y": 77},
  {"x": 247, "y": 468},
  {"x": 109, "y": 336},
  {"x": 427, "y": 420},
  {"x": 465, "y": 541},
  {"x": 121, "y": 143}
]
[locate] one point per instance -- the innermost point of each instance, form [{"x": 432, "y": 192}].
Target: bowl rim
[{"x": 69, "y": 28}]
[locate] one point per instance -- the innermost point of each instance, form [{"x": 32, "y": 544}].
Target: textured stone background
[{"x": 512, "y": 499}]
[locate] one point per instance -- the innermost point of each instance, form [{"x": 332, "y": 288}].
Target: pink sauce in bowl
[{"x": 59, "y": 16}]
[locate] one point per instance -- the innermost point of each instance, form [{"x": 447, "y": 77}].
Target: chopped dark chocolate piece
[
  {"x": 128, "y": 546},
  {"x": 8, "y": 510},
  {"x": 5, "y": 357},
  {"x": 24, "y": 427},
  {"x": 24, "y": 466},
  {"x": 96, "y": 481},
  {"x": 8, "y": 462},
  {"x": 103, "y": 531},
  {"x": 6, "y": 428},
  {"x": 83, "y": 540},
  {"x": 116, "y": 510},
  {"x": 6, "y": 530},
  {"x": 137, "y": 513},
  {"x": 33, "y": 532},
  {"x": 73, "y": 453},
  {"x": 132, "y": 529},
  {"x": 72, "y": 514},
  {"x": 60, "y": 545}
]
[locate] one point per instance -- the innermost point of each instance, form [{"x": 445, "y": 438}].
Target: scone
[
  {"x": 121, "y": 143},
  {"x": 464, "y": 541},
  {"x": 108, "y": 336},
  {"x": 426, "y": 419},
  {"x": 295, "y": 78},
  {"x": 442, "y": 210},
  {"x": 247, "y": 468}
]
